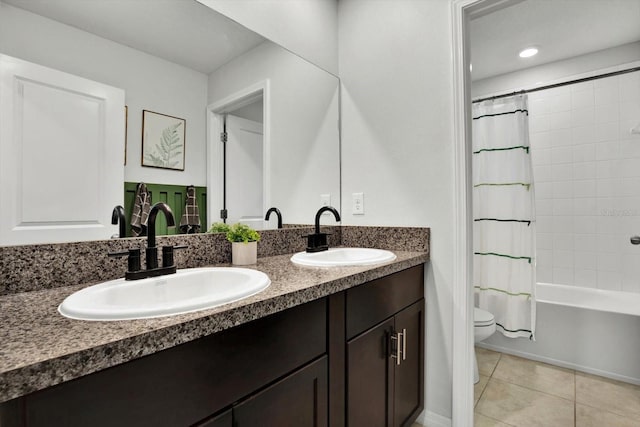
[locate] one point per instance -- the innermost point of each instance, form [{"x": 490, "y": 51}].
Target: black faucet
[
  {"x": 278, "y": 214},
  {"x": 134, "y": 271},
  {"x": 317, "y": 241},
  {"x": 117, "y": 217}
]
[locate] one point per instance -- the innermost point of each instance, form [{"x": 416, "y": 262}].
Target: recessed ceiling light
[{"x": 528, "y": 52}]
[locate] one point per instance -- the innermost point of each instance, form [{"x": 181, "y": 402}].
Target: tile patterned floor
[{"x": 518, "y": 392}]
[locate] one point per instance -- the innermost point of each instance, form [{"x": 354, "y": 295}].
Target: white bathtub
[{"x": 589, "y": 330}]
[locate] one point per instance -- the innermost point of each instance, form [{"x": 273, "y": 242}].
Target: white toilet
[{"x": 484, "y": 325}]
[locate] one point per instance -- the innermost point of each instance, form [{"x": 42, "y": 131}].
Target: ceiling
[
  {"x": 560, "y": 29},
  {"x": 181, "y": 31}
]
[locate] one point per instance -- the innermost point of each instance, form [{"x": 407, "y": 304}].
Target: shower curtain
[{"x": 503, "y": 215}]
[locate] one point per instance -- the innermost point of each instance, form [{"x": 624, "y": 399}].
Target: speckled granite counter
[{"x": 40, "y": 348}]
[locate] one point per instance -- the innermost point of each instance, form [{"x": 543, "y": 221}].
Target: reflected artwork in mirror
[{"x": 183, "y": 59}]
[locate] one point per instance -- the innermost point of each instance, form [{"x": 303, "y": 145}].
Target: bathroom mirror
[{"x": 179, "y": 58}]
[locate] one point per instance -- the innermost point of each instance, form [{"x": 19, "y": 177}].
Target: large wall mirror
[{"x": 181, "y": 59}]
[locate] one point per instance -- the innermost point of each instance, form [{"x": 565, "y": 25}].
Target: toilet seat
[{"x": 482, "y": 317}]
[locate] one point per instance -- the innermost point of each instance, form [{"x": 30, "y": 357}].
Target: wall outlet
[{"x": 358, "y": 204}]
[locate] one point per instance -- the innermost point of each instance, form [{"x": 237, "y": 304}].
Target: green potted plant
[
  {"x": 219, "y": 227},
  {"x": 244, "y": 244}
]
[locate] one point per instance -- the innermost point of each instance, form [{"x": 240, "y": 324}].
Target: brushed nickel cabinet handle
[{"x": 404, "y": 344}]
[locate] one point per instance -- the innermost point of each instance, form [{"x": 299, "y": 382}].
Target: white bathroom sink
[
  {"x": 183, "y": 292},
  {"x": 341, "y": 257}
]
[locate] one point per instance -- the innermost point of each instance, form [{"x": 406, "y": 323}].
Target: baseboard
[
  {"x": 431, "y": 419},
  {"x": 560, "y": 363}
]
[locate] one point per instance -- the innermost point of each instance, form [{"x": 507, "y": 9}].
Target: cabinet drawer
[
  {"x": 371, "y": 303},
  {"x": 187, "y": 383}
]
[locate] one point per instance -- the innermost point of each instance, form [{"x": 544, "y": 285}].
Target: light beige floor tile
[
  {"x": 487, "y": 360},
  {"x": 536, "y": 375},
  {"x": 609, "y": 395},
  {"x": 479, "y": 388},
  {"x": 587, "y": 416},
  {"x": 480, "y": 420},
  {"x": 522, "y": 407}
]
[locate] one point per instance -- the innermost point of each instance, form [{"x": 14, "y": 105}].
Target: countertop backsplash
[{"x": 45, "y": 266}]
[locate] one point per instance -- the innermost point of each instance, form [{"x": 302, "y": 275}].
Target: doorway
[{"x": 238, "y": 157}]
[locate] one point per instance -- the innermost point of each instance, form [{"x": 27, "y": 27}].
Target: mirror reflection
[{"x": 180, "y": 61}]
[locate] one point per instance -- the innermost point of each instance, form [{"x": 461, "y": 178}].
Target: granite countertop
[{"x": 40, "y": 348}]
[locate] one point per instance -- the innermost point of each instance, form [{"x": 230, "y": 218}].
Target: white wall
[
  {"x": 397, "y": 145},
  {"x": 305, "y": 150},
  {"x": 531, "y": 77},
  {"x": 149, "y": 82},
  {"x": 308, "y": 28}
]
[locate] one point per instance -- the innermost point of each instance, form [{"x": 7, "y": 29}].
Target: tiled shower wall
[{"x": 587, "y": 182}]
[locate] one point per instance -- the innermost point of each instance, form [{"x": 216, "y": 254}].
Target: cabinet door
[
  {"x": 370, "y": 377},
  {"x": 300, "y": 400},
  {"x": 409, "y": 374}
]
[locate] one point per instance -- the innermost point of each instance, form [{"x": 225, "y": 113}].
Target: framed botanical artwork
[{"x": 163, "y": 141}]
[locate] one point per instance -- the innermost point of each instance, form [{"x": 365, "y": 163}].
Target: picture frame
[{"x": 163, "y": 141}]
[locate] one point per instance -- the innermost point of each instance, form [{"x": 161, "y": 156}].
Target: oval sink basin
[
  {"x": 183, "y": 292},
  {"x": 341, "y": 257}
]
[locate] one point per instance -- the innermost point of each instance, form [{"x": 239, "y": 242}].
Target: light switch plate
[{"x": 358, "y": 204}]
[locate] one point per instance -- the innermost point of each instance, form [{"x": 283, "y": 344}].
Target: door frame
[
  {"x": 462, "y": 292},
  {"x": 215, "y": 112}
]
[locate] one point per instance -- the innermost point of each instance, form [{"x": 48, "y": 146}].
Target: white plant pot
[{"x": 244, "y": 253}]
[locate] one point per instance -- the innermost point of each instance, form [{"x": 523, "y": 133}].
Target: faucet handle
[
  {"x": 167, "y": 254},
  {"x": 133, "y": 260}
]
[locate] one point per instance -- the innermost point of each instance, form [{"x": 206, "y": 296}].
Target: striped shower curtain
[{"x": 504, "y": 216}]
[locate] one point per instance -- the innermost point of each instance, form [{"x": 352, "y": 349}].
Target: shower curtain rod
[{"x": 551, "y": 86}]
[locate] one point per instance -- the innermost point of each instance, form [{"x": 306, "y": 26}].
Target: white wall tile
[
  {"x": 581, "y": 86},
  {"x": 630, "y": 148},
  {"x": 563, "y": 276},
  {"x": 583, "y": 134},
  {"x": 544, "y": 190},
  {"x": 563, "y": 224},
  {"x": 561, "y": 155},
  {"x": 609, "y": 280},
  {"x": 607, "y": 113},
  {"x": 562, "y": 172},
  {"x": 544, "y": 274},
  {"x": 565, "y": 189},
  {"x": 630, "y": 168},
  {"x": 542, "y": 173},
  {"x": 584, "y": 170},
  {"x": 544, "y": 241},
  {"x": 608, "y": 187},
  {"x": 582, "y": 116},
  {"x": 585, "y": 260},
  {"x": 584, "y": 188},
  {"x": 609, "y": 262},
  {"x": 630, "y": 187},
  {"x": 582, "y": 99},
  {"x": 585, "y": 224},
  {"x": 561, "y": 102},
  {"x": 562, "y": 120},
  {"x": 585, "y": 206},
  {"x": 563, "y": 242},
  {"x": 544, "y": 207},
  {"x": 607, "y": 150},
  {"x": 585, "y": 242},
  {"x": 630, "y": 110},
  {"x": 629, "y": 86},
  {"x": 544, "y": 224},
  {"x": 607, "y": 95},
  {"x": 544, "y": 258},
  {"x": 609, "y": 169},
  {"x": 543, "y": 156},
  {"x": 584, "y": 153},
  {"x": 562, "y": 207},
  {"x": 562, "y": 259},
  {"x": 607, "y": 131},
  {"x": 586, "y": 278}
]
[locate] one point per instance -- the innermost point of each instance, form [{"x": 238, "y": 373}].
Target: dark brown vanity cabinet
[
  {"x": 300, "y": 399},
  {"x": 385, "y": 351},
  {"x": 329, "y": 362}
]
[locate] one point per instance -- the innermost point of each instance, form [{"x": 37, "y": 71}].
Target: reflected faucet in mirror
[
  {"x": 317, "y": 241},
  {"x": 278, "y": 214},
  {"x": 118, "y": 217}
]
